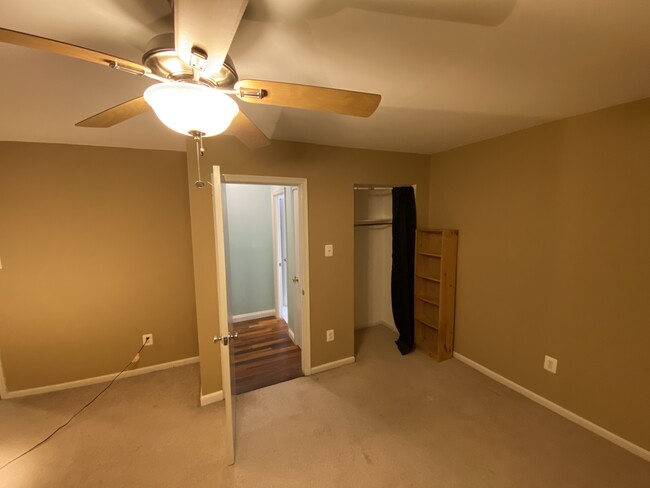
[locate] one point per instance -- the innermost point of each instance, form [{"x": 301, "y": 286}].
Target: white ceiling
[{"x": 450, "y": 72}]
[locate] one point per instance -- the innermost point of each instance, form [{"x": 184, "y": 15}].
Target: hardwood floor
[{"x": 264, "y": 354}]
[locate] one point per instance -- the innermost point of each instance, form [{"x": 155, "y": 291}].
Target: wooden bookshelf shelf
[
  {"x": 430, "y": 301},
  {"x": 427, "y": 322},
  {"x": 435, "y": 291},
  {"x": 429, "y": 278},
  {"x": 430, "y": 254}
]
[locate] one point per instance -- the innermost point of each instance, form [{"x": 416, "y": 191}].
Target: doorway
[
  {"x": 373, "y": 248},
  {"x": 373, "y": 259},
  {"x": 265, "y": 283}
]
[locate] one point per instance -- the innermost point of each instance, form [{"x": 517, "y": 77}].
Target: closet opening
[
  {"x": 264, "y": 282},
  {"x": 373, "y": 263}
]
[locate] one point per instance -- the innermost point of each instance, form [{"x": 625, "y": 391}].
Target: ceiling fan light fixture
[{"x": 187, "y": 107}]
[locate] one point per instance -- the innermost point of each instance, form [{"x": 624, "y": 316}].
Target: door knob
[{"x": 226, "y": 338}]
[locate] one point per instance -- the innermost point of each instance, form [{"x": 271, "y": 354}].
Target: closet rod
[
  {"x": 373, "y": 187},
  {"x": 373, "y": 222}
]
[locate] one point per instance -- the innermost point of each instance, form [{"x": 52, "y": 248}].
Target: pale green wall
[{"x": 250, "y": 238}]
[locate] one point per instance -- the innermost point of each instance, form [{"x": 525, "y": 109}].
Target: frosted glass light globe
[{"x": 186, "y": 107}]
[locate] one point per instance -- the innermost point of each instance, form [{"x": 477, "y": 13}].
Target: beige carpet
[{"x": 386, "y": 421}]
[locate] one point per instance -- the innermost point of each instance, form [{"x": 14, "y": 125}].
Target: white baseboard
[
  {"x": 332, "y": 365},
  {"x": 292, "y": 336},
  {"x": 100, "y": 379},
  {"x": 554, "y": 407},
  {"x": 253, "y": 315},
  {"x": 209, "y": 398}
]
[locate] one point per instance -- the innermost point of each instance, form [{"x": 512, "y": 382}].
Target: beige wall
[
  {"x": 95, "y": 248},
  {"x": 554, "y": 258},
  {"x": 331, "y": 174}
]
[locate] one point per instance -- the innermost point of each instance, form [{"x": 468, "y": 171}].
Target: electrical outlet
[
  {"x": 148, "y": 342},
  {"x": 330, "y": 335},
  {"x": 550, "y": 364}
]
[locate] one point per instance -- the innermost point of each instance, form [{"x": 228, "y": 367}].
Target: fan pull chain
[{"x": 198, "y": 139}]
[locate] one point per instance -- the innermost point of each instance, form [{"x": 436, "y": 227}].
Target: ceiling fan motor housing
[{"x": 161, "y": 58}]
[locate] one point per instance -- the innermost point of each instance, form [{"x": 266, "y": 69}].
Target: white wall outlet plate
[
  {"x": 329, "y": 250},
  {"x": 330, "y": 335},
  {"x": 550, "y": 364},
  {"x": 147, "y": 342}
]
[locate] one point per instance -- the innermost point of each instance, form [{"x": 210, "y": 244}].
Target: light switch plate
[
  {"x": 550, "y": 364},
  {"x": 329, "y": 250}
]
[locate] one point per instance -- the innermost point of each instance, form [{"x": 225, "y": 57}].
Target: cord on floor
[{"x": 135, "y": 359}]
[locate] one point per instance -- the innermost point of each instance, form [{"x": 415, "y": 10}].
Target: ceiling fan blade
[
  {"x": 115, "y": 115},
  {"x": 247, "y": 132},
  {"x": 70, "y": 50},
  {"x": 308, "y": 97},
  {"x": 209, "y": 25}
]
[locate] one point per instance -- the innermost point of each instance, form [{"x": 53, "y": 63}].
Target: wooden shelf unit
[{"x": 435, "y": 291}]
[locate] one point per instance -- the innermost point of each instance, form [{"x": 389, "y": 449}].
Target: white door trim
[{"x": 301, "y": 183}]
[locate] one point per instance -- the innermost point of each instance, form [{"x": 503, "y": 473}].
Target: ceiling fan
[{"x": 197, "y": 79}]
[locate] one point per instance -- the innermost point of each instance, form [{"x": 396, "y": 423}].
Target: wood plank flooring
[{"x": 264, "y": 354}]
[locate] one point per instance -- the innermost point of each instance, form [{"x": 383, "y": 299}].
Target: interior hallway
[
  {"x": 385, "y": 421},
  {"x": 264, "y": 354}
]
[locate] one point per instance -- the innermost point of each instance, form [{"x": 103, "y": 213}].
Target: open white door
[
  {"x": 297, "y": 283},
  {"x": 226, "y": 332},
  {"x": 280, "y": 254}
]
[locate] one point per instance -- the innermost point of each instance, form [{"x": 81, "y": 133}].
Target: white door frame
[
  {"x": 301, "y": 183},
  {"x": 279, "y": 272}
]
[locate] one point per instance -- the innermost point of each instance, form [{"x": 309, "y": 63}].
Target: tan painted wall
[
  {"x": 331, "y": 174},
  {"x": 554, "y": 258},
  {"x": 96, "y": 250}
]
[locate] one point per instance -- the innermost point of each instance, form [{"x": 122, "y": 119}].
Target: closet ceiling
[{"x": 451, "y": 72}]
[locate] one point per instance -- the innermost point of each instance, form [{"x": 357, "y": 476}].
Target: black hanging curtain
[{"x": 402, "y": 276}]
